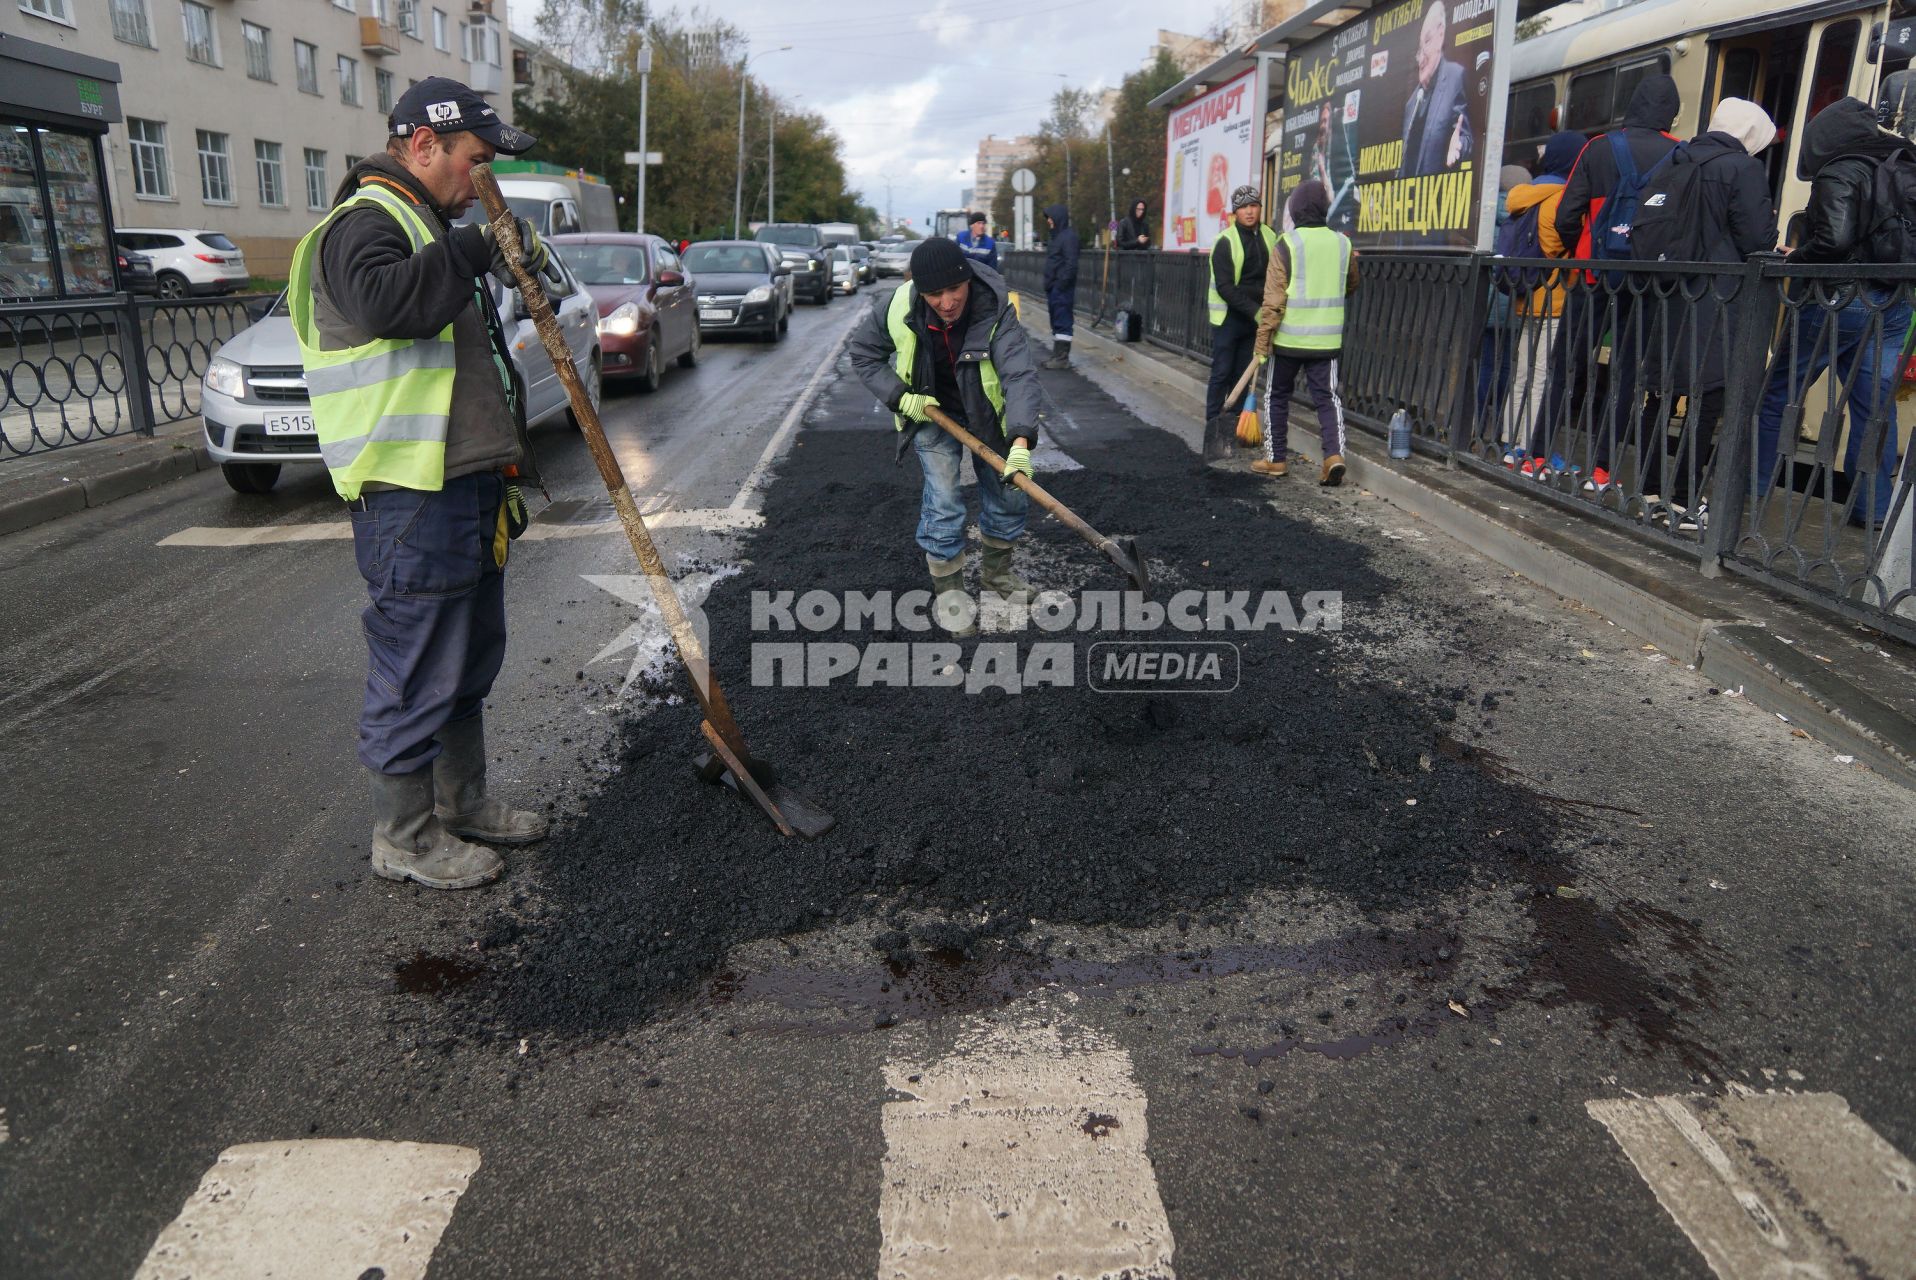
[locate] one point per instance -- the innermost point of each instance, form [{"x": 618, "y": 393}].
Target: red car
[{"x": 648, "y": 305}]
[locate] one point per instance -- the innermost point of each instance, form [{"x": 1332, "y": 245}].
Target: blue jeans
[
  {"x": 1869, "y": 361},
  {"x": 941, "y": 513},
  {"x": 435, "y": 623}
]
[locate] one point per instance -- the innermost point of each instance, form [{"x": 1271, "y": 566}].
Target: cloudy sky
[{"x": 911, "y": 88}]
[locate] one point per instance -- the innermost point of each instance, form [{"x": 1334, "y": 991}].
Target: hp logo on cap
[{"x": 440, "y": 112}]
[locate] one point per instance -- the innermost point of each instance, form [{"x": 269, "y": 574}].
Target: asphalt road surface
[{"x": 1660, "y": 1030}]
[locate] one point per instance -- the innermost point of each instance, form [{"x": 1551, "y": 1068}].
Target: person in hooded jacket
[
  {"x": 1134, "y": 229},
  {"x": 1060, "y": 283},
  {"x": 1591, "y": 312},
  {"x": 1539, "y": 303},
  {"x": 1842, "y": 147},
  {"x": 1693, "y": 329}
]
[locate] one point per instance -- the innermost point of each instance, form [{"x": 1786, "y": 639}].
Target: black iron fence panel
[
  {"x": 182, "y": 337},
  {"x": 1409, "y": 333},
  {"x": 65, "y": 375},
  {"x": 1166, "y": 292}
]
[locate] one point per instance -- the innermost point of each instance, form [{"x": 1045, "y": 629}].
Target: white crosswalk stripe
[
  {"x": 712, "y": 518},
  {"x": 1019, "y": 1155},
  {"x": 319, "y": 1208},
  {"x": 1773, "y": 1184}
]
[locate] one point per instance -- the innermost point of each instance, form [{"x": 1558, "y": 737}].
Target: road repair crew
[
  {"x": 1312, "y": 272},
  {"x": 412, "y": 396},
  {"x": 948, "y": 337}
]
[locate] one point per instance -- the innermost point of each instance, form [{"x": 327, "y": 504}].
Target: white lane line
[
  {"x": 776, "y": 445},
  {"x": 713, "y": 518},
  {"x": 325, "y": 1207},
  {"x": 1773, "y": 1184},
  {"x": 1019, "y": 1155}
]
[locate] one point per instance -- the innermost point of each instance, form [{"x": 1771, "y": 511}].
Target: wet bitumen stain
[
  {"x": 431, "y": 975},
  {"x": 1099, "y": 1126}
]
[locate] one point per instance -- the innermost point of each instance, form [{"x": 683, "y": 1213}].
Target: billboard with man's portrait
[{"x": 1400, "y": 115}]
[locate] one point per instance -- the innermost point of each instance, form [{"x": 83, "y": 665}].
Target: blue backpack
[{"x": 1612, "y": 239}]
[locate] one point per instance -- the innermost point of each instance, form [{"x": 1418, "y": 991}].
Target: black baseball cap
[{"x": 444, "y": 105}]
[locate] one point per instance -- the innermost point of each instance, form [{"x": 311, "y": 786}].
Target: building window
[
  {"x": 259, "y": 54},
  {"x": 316, "y": 180},
  {"x": 383, "y": 87},
  {"x": 409, "y": 17},
  {"x": 152, "y": 172},
  {"x": 351, "y": 161},
  {"x": 130, "y": 24},
  {"x": 378, "y": 9},
  {"x": 349, "y": 80},
  {"x": 53, "y": 9},
  {"x": 347, "y": 5},
  {"x": 439, "y": 40},
  {"x": 482, "y": 43},
  {"x": 216, "y": 168},
  {"x": 202, "y": 37},
  {"x": 306, "y": 66},
  {"x": 268, "y": 159}
]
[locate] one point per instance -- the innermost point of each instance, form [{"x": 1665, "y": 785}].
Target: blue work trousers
[
  {"x": 1058, "y": 303},
  {"x": 941, "y": 513},
  {"x": 435, "y": 623}
]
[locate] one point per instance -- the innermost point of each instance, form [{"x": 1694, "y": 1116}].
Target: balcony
[
  {"x": 378, "y": 39},
  {"x": 485, "y": 79}
]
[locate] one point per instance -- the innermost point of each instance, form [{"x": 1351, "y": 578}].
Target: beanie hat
[
  {"x": 938, "y": 263},
  {"x": 1244, "y": 196},
  {"x": 1748, "y": 123},
  {"x": 975, "y": 217},
  {"x": 1512, "y": 175}
]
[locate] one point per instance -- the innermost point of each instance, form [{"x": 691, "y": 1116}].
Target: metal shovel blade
[
  {"x": 791, "y": 812},
  {"x": 1124, "y": 553}
]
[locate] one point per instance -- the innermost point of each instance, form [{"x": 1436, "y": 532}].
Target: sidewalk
[
  {"x": 40, "y": 487},
  {"x": 1844, "y": 685}
]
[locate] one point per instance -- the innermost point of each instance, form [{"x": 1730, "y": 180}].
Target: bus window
[
  {"x": 1830, "y": 81},
  {"x": 1590, "y": 97},
  {"x": 1740, "y": 74},
  {"x": 1630, "y": 76},
  {"x": 1527, "y": 125}
]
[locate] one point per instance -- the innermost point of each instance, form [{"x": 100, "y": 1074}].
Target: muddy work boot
[
  {"x": 410, "y": 843},
  {"x": 1060, "y": 355},
  {"x": 1265, "y": 467},
  {"x": 951, "y": 604},
  {"x": 1333, "y": 471},
  {"x": 459, "y": 790},
  {"x": 997, "y": 579}
]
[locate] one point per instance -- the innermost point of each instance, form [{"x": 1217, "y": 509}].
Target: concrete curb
[
  {"x": 134, "y": 475},
  {"x": 1695, "y": 621}
]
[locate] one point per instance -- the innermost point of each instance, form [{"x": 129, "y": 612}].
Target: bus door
[{"x": 1764, "y": 67}]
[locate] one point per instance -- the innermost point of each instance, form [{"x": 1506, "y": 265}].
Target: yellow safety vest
[
  {"x": 1228, "y": 242},
  {"x": 904, "y": 341},
  {"x": 1314, "y": 307},
  {"x": 383, "y": 408}
]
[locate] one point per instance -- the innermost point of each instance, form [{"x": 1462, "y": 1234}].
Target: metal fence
[
  {"x": 1744, "y": 415},
  {"x": 66, "y": 377}
]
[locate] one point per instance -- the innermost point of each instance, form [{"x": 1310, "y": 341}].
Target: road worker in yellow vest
[
  {"x": 1300, "y": 329},
  {"x": 420, "y": 426},
  {"x": 1239, "y": 256}
]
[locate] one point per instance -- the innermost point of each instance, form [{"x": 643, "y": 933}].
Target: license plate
[
  {"x": 288, "y": 424},
  {"x": 714, "y": 313}
]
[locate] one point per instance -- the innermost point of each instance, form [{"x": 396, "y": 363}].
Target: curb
[
  {"x": 63, "y": 498},
  {"x": 1619, "y": 579}
]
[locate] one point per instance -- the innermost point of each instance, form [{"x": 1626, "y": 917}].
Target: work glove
[
  {"x": 1017, "y": 462},
  {"x": 912, "y": 405},
  {"x": 532, "y": 252},
  {"x": 1263, "y": 357}
]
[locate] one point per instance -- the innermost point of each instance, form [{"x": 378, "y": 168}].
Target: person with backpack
[
  {"x": 1598, "y": 204},
  {"x": 1538, "y": 296},
  {"x": 1711, "y": 204},
  {"x": 1860, "y": 211}
]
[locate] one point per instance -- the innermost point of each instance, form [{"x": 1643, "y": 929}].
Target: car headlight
[
  {"x": 623, "y": 321},
  {"x": 761, "y": 294},
  {"x": 225, "y": 377}
]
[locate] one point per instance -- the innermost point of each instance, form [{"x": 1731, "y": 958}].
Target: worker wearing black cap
[
  {"x": 948, "y": 337},
  {"x": 408, "y": 374}
]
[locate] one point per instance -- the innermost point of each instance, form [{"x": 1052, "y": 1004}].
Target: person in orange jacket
[{"x": 1539, "y": 302}]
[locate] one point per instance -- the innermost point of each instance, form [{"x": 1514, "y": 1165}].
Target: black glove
[{"x": 532, "y": 252}]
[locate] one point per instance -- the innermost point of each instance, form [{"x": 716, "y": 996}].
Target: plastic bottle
[{"x": 1400, "y": 434}]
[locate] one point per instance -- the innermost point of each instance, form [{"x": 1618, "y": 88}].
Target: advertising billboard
[
  {"x": 1400, "y": 115},
  {"x": 1212, "y": 146}
]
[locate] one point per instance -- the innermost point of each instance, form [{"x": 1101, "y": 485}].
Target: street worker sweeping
[
  {"x": 1238, "y": 259},
  {"x": 949, "y": 338},
  {"x": 407, "y": 368},
  {"x": 1312, "y": 271}
]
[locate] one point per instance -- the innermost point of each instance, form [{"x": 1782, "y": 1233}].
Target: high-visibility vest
[
  {"x": 904, "y": 362},
  {"x": 1228, "y": 242},
  {"x": 1314, "y": 310},
  {"x": 383, "y": 408}
]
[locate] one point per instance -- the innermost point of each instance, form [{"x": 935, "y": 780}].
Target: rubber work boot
[
  {"x": 410, "y": 843},
  {"x": 951, "y": 604},
  {"x": 1265, "y": 467},
  {"x": 459, "y": 790},
  {"x": 996, "y": 577},
  {"x": 1333, "y": 471},
  {"x": 1060, "y": 356}
]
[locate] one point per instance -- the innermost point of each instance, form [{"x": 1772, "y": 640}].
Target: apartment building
[
  {"x": 997, "y": 157},
  {"x": 243, "y": 115}
]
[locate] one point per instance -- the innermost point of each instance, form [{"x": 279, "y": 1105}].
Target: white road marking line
[
  {"x": 776, "y": 445},
  {"x": 1773, "y": 1184},
  {"x": 1019, "y": 1155},
  {"x": 326, "y": 1207},
  {"x": 259, "y": 535},
  {"x": 709, "y": 518}
]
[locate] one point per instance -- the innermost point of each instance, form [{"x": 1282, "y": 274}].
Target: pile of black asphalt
[{"x": 987, "y": 819}]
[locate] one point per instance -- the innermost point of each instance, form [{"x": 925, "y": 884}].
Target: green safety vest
[
  {"x": 1228, "y": 241},
  {"x": 1314, "y": 310},
  {"x": 382, "y": 409},
  {"x": 904, "y": 342}
]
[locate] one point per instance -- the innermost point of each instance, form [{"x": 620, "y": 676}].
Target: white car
[
  {"x": 253, "y": 398},
  {"x": 187, "y": 263},
  {"x": 844, "y": 270}
]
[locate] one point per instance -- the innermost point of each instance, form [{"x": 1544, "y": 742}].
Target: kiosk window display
[{"x": 55, "y": 225}]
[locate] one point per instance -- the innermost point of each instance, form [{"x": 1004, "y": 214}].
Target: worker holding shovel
[{"x": 948, "y": 338}]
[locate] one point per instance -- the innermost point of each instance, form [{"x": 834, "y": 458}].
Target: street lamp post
[
  {"x": 738, "y": 185},
  {"x": 645, "y": 80}
]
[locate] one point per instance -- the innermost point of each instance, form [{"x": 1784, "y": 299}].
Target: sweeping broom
[{"x": 1250, "y": 430}]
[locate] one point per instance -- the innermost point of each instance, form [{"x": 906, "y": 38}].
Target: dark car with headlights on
[
  {"x": 741, "y": 287},
  {"x": 806, "y": 253},
  {"x": 648, "y": 310}
]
